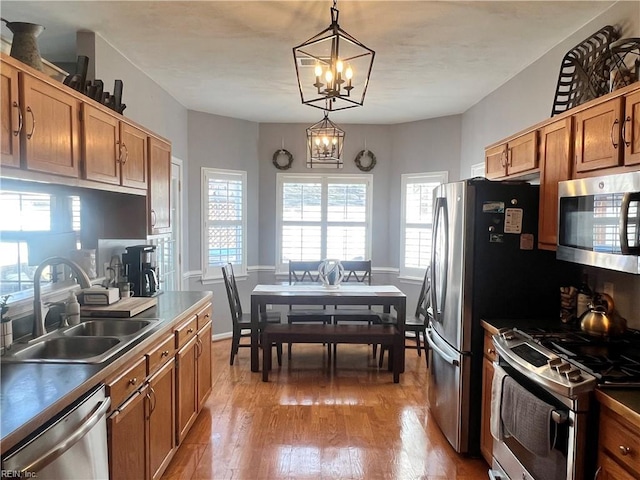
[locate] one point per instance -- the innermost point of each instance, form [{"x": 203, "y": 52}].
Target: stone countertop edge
[
  {"x": 624, "y": 401},
  {"x": 33, "y": 393}
]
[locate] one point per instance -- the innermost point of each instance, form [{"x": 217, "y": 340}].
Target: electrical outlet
[
  {"x": 269, "y": 307},
  {"x": 608, "y": 288}
]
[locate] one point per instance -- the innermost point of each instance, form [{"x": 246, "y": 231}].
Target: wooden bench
[{"x": 386, "y": 335}]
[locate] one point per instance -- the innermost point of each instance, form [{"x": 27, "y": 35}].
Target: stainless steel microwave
[{"x": 599, "y": 222}]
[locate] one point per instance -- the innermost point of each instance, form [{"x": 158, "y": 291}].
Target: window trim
[
  {"x": 406, "y": 179},
  {"x": 324, "y": 179},
  {"x": 214, "y": 272}
]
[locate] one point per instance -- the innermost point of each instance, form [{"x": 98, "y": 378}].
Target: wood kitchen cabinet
[
  {"x": 597, "y": 136},
  {"x": 159, "y": 193},
  {"x": 127, "y": 424},
  {"x": 11, "y": 120},
  {"x": 49, "y": 141},
  {"x": 114, "y": 152},
  {"x": 486, "y": 440},
  {"x": 161, "y": 419},
  {"x": 555, "y": 166},
  {"x": 618, "y": 447},
  {"x": 516, "y": 157},
  {"x": 631, "y": 129},
  {"x": 194, "y": 380}
]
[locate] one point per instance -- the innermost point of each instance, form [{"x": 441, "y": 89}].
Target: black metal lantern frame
[
  {"x": 331, "y": 68},
  {"x": 325, "y": 141}
]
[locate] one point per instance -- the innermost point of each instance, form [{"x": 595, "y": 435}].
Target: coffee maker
[{"x": 141, "y": 270}]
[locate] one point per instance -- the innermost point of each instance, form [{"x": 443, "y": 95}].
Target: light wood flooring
[{"x": 312, "y": 422}]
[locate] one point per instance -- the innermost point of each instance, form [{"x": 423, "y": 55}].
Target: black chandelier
[
  {"x": 325, "y": 140},
  {"x": 333, "y": 68}
]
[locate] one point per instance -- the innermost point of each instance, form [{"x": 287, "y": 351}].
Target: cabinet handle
[
  {"x": 133, "y": 381},
  {"x": 491, "y": 351},
  {"x": 17, "y": 132},
  {"x": 153, "y": 400},
  {"x": 33, "y": 124},
  {"x": 126, "y": 153},
  {"x": 190, "y": 330},
  {"x": 510, "y": 157},
  {"x": 165, "y": 353},
  {"x": 153, "y": 218},
  {"x": 613, "y": 142},
  {"x": 624, "y": 131},
  {"x": 595, "y": 477},
  {"x": 199, "y": 345},
  {"x": 624, "y": 451}
]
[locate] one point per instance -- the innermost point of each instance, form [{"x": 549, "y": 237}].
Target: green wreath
[
  {"x": 372, "y": 158},
  {"x": 276, "y": 155}
]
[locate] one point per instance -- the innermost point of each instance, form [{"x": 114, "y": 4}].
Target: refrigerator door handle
[
  {"x": 439, "y": 269},
  {"x": 432, "y": 344}
]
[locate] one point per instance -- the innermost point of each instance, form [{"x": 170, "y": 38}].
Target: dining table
[{"x": 305, "y": 294}]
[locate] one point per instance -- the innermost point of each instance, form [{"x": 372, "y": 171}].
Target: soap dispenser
[{"x": 73, "y": 309}]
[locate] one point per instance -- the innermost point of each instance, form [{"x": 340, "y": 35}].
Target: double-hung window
[
  {"x": 224, "y": 208},
  {"x": 417, "y": 221},
  {"x": 323, "y": 216}
]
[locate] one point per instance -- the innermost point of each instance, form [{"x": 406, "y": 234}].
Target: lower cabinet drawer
[
  {"x": 160, "y": 354},
  {"x": 121, "y": 387},
  {"x": 619, "y": 441}
]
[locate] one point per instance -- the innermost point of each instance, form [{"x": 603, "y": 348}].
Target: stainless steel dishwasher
[{"x": 71, "y": 446}]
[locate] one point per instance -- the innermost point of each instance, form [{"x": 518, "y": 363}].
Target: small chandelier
[
  {"x": 333, "y": 66},
  {"x": 325, "y": 141}
]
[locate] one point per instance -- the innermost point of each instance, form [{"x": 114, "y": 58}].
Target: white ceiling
[{"x": 234, "y": 58}]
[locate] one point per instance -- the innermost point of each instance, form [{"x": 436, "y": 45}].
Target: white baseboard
[{"x": 222, "y": 336}]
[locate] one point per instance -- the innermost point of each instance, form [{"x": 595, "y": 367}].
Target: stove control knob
[
  {"x": 563, "y": 367},
  {"x": 554, "y": 362},
  {"x": 574, "y": 375}
]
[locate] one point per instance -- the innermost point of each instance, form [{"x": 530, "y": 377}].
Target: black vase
[{"x": 24, "y": 46}]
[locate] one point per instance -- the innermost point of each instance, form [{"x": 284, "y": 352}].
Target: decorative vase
[
  {"x": 331, "y": 273},
  {"x": 24, "y": 45}
]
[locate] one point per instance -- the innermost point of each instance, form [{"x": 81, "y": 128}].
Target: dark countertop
[
  {"x": 625, "y": 401},
  {"x": 32, "y": 393}
]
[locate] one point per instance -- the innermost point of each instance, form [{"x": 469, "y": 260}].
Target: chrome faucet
[{"x": 40, "y": 310}]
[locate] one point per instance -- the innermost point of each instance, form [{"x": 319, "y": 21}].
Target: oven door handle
[{"x": 448, "y": 358}]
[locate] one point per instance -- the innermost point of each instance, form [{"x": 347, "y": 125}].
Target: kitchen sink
[
  {"x": 68, "y": 349},
  {"x": 91, "y": 341},
  {"x": 107, "y": 328}
]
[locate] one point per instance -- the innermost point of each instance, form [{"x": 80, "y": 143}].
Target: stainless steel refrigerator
[{"x": 485, "y": 265}]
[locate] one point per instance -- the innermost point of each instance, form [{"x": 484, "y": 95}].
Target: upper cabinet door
[
  {"x": 631, "y": 129},
  {"x": 50, "y": 138},
  {"x": 496, "y": 161},
  {"x": 522, "y": 153},
  {"x": 133, "y": 147},
  {"x": 11, "y": 117},
  {"x": 555, "y": 166},
  {"x": 159, "y": 198},
  {"x": 101, "y": 145},
  {"x": 598, "y": 136}
]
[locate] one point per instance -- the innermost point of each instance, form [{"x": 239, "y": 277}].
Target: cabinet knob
[
  {"x": 491, "y": 351},
  {"x": 190, "y": 330},
  {"x": 133, "y": 381},
  {"x": 624, "y": 451},
  {"x": 165, "y": 353}
]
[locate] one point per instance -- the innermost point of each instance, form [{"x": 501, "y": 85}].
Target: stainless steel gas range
[{"x": 543, "y": 416}]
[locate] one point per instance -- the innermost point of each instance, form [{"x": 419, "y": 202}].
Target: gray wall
[
  {"x": 527, "y": 98},
  {"x": 147, "y": 103}
]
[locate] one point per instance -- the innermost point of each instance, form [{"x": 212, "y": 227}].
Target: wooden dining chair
[
  {"x": 306, "y": 272},
  {"x": 415, "y": 324},
  {"x": 242, "y": 321},
  {"x": 356, "y": 271}
]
